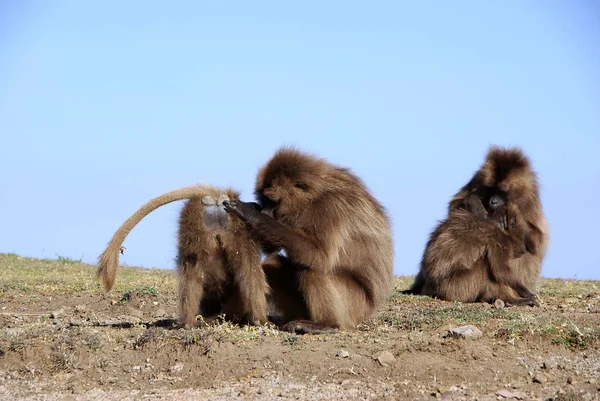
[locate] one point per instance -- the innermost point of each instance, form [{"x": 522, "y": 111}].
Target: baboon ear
[{"x": 301, "y": 185}]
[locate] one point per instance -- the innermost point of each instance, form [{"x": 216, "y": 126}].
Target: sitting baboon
[
  {"x": 218, "y": 263},
  {"x": 337, "y": 267},
  {"x": 482, "y": 255}
]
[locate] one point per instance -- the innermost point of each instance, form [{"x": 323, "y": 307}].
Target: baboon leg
[
  {"x": 464, "y": 285},
  {"x": 286, "y": 300},
  {"x": 502, "y": 273},
  {"x": 243, "y": 256},
  {"x": 333, "y": 302},
  {"x": 417, "y": 287},
  {"x": 302, "y": 311},
  {"x": 507, "y": 294},
  {"x": 522, "y": 302},
  {"x": 190, "y": 288}
]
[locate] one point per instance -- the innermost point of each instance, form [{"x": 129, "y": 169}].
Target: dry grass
[{"x": 66, "y": 276}]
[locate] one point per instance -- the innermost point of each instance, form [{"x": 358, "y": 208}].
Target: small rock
[
  {"x": 77, "y": 389},
  {"x": 342, "y": 353},
  {"x": 55, "y": 321},
  {"x": 57, "y": 313},
  {"x": 176, "y": 368},
  {"x": 505, "y": 393},
  {"x": 468, "y": 331},
  {"x": 592, "y": 381},
  {"x": 12, "y": 332},
  {"x": 570, "y": 380},
  {"x": 160, "y": 312},
  {"x": 538, "y": 379},
  {"x": 499, "y": 304},
  {"x": 384, "y": 358}
]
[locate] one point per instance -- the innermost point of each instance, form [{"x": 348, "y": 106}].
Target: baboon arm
[{"x": 301, "y": 248}]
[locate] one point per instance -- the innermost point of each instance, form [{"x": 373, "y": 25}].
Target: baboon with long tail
[{"x": 218, "y": 262}]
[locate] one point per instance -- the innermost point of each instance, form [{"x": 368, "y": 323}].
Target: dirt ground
[{"x": 61, "y": 338}]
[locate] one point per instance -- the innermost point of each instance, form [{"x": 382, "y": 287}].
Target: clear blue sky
[{"x": 106, "y": 104}]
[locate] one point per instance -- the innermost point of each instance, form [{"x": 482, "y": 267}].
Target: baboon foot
[
  {"x": 522, "y": 302},
  {"x": 277, "y": 320},
  {"x": 215, "y": 216},
  {"x": 308, "y": 327}
]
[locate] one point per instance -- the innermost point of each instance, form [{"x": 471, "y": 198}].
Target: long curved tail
[{"x": 109, "y": 259}]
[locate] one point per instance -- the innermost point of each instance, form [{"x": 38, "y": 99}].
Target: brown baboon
[
  {"x": 218, "y": 263},
  {"x": 336, "y": 236},
  {"x": 483, "y": 255}
]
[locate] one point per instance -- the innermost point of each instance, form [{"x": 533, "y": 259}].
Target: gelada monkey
[
  {"x": 492, "y": 244},
  {"x": 337, "y": 240},
  {"x": 218, "y": 263}
]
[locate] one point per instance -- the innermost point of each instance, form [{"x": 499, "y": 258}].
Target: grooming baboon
[
  {"x": 337, "y": 238},
  {"x": 483, "y": 255},
  {"x": 218, "y": 263}
]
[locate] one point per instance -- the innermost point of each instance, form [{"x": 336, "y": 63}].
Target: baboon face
[
  {"x": 287, "y": 185},
  {"x": 492, "y": 199}
]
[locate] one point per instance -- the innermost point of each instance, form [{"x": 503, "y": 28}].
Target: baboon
[
  {"x": 477, "y": 255},
  {"x": 337, "y": 239},
  {"x": 218, "y": 263}
]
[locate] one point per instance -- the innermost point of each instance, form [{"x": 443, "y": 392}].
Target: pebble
[
  {"x": 57, "y": 313},
  {"x": 176, "y": 368},
  {"x": 384, "y": 358},
  {"x": 160, "y": 312},
  {"x": 342, "y": 353},
  {"x": 499, "y": 304},
  {"x": 468, "y": 331},
  {"x": 505, "y": 393},
  {"x": 77, "y": 389},
  {"x": 538, "y": 379}
]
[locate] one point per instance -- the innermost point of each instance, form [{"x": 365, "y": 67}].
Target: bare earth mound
[{"x": 62, "y": 339}]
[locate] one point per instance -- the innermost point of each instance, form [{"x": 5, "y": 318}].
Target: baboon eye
[{"x": 301, "y": 185}]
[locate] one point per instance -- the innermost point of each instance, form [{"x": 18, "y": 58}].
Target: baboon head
[{"x": 289, "y": 183}]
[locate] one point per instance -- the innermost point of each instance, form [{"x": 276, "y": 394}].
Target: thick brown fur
[
  {"x": 471, "y": 258},
  {"x": 337, "y": 238},
  {"x": 218, "y": 263}
]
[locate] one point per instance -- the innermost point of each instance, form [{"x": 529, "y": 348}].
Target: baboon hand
[{"x": 247, "y": 211}]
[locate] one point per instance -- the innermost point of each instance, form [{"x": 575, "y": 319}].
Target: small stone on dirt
[
  {"x": 384, "y": 358},
  {"x": 499, "y": 304},
  {"x": 468, "y": 331},
  {"x": 538, "y": 379},
  {"x": 77, "y": 389},
  {"x": 505, "y": 393},
  {"x": 342, "y": 353},
  {"x": 57, "y": 313},
  {"x": 176, "y": 368},
  {"x": 160, "y": 312}
]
